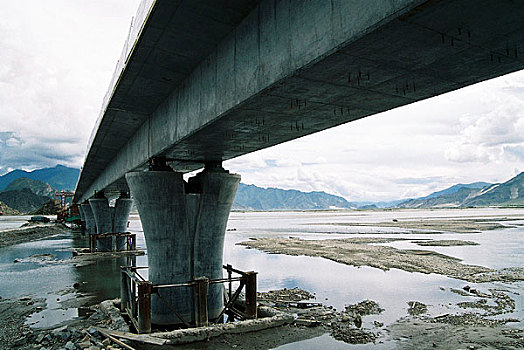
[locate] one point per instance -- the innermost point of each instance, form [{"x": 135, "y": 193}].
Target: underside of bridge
[{"x": 210, "y": 80}]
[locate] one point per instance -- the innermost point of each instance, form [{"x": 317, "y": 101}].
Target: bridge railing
[
  {"x": 130, "y": 240},
  {"x": 137, "y": 23},
  {"x": 136, "y": 291}
]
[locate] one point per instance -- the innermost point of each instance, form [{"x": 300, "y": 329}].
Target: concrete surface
[
  {"x": 104, "y": 223},
  {"x": 212, "y": 80},
  {"x": 208, "y": 220},
  {"x": 160, "y": 199},
  {"x": 184, "y": 227},
  {"x": 89, "y": 218},
  {"x": 120, "y": 219}
]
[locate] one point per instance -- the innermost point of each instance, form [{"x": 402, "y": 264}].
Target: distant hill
[
  {"x": 36, "y": 186},
  {"x": 456, "y": 188},
  {"x": 453, "y": 196},
  {"x": 6, "y": 210},
  {"x": 60, "y": 177},
  {"x": 251, "y": 197},
  {"x": 23, "y": 200},
  {"x": 51, "y": 207},
  {"x": 508, "y": 193},
  {"x": 479, "y": 194}
]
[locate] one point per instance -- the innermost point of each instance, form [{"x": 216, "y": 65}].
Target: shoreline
[{"x": 29, "y": 233}]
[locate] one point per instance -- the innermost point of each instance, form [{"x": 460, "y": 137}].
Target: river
[{"x": 333, "y": 283}]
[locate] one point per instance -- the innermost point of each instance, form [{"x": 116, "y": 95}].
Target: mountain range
[
  {"x": 60, "y": 177},
  {"x": 251, "y": 197},
  {"x": 27, "y": 191},
  {"x": 478, "y": 194}
]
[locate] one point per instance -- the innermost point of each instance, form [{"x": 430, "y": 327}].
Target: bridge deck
[{"x": 212, "y": 80}]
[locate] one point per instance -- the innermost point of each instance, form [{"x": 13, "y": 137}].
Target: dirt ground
[
  {"x": 30, "y": 233},
  {"x": 436, "y": 225},
  {"x": 415, "y": 331}
]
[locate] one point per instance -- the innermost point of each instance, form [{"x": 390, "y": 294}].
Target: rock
[
  {"x": 416, "y": 308},
  {"x": 92, "y": 347},
  {"x": 62, "y": 333},
  {"x": 40, "y": 337},
  {"x": 70, "y": 346},
  {"x": 26, "y": 298},
  {"x": 76, "y": 285},
  {"x": 85, "y": 342},
  {"x": 20, "y": 341},
  {"x": 92, "y": 331},
  {"x": 357, "y": 321},
  {"x": 378, "y": 324},
  {"x": 75, "y": 333}
]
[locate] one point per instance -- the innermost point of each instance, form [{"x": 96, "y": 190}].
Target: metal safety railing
[
  {"x": 130, "y": 240},
  {"x": 136, "y": 291}
]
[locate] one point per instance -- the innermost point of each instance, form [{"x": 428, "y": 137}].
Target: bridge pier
[
  {"x": 184, "y": 226},
  {"x": 104, "y": 222},
  {"x": 89, "y": 219},
  {"x": 111, "y": 220},
  {"x": 120, "y": 219},
  {"x": 82, "y": 220}
]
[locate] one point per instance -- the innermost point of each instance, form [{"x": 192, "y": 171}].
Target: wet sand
[
  {"x": 455, "y": 225},
  {"x": 30, "y": 233},
  {"x": 358, "y": 252}
]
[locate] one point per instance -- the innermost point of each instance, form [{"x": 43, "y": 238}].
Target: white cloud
[{"x": 56, "y": 60}]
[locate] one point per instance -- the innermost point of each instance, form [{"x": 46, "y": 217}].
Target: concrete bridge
[{"x": 200, "y": 82}]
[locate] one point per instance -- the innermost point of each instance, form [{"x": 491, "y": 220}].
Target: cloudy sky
[{"x": 57, "y": 58}]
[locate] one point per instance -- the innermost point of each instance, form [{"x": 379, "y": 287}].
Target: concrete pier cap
[{"x": 184, "y": 225}]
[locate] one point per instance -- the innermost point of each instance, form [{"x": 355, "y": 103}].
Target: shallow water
[{"x": 333, "y": 283}]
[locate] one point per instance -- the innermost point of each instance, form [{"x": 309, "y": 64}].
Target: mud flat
[
  {"x": 30, "y": 233},
  {"x": 358, "y": 252},
  {"x": 428, "y": 333},
  {"x": 456, "y": 225}
]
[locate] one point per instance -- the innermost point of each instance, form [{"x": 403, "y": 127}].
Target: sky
[{"x": 57, "y": 58}]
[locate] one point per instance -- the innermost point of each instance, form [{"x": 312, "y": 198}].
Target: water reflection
[{"x": 333, "y": 283}]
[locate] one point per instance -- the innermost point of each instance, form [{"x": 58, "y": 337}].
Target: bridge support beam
[
  {"x": 89, "y": 219},
  {"x": 184, "y": 226},
  {"x": 111, "y": 220},
  {"x": 104, "y": 222},
  {"x": 82, "y": 220},
  {"x": 120, "y": 219}
]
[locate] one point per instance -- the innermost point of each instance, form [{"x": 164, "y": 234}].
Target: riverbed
[{"x": 67, "y": 288}]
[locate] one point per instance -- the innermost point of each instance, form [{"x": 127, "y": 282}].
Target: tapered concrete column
[
  {"x": 120, "y": 218},
  {"x": 90, "y": 219},
  {"x": 82, "y": 219},
  {"x": 104, "y": 222},
  {"x": 160, "y": 200},
  {"x": 184, "y": 227},
  {"x": 218, "y": 190},
  {"x": 81, "y": 212}
]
